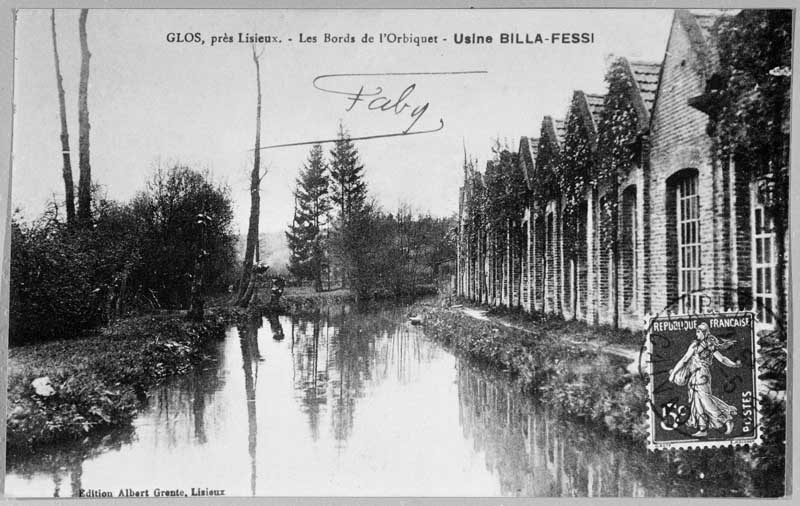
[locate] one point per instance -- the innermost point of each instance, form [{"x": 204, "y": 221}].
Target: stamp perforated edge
[{"x": 757, "y": 383}]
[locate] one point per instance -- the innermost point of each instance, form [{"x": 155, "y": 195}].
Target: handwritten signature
[
  {"x": 375, "y": 100},
  {"x": 379, "y": 101}
]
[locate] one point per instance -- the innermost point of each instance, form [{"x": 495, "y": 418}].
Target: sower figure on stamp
[{"x": 694, "y": 370}]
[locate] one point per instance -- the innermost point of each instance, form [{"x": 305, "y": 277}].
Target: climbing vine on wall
[
  {"x": 506, "y": 194},
  {"x": 475, "y": 207},
  {"x": 547, "y": 161},
  {"x": 749, "y": 119},
  {"x": 573, "y": 174},
  {"x": 617, "y": 135}
]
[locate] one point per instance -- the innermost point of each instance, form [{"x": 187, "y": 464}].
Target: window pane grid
[
  {"x": 689, "y": 267},
  {"x": 763, "y": 263}
]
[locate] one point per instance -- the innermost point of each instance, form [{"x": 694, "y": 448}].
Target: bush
[
  {"x": 60, "y": 279},
  {"x": 140, "y": 255}
]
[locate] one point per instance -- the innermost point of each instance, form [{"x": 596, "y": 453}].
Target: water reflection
[
  {"x": 534, "y": 453},
  {"x": 347, "y": 402},
  {"x": 248, "y": 342}
]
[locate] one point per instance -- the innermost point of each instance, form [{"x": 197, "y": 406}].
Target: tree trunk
[
  {"x": 317, "y": 253},
  {"x": 255, "y": 200},
  {"x": 85, "y": 180},
  {"x": 69, "y": 188}
]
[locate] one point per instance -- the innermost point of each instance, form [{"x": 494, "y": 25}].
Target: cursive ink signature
[{"x": 376, "y": 100}]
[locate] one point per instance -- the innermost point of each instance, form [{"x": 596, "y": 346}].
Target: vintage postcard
[{"x": 407, "y": 252}]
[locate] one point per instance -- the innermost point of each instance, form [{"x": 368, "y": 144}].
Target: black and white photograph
[{"x": 458, "y": 252}]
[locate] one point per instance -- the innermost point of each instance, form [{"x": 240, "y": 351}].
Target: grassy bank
[
  {"x": 99, "y": 381},
  {"x": 582, "y": 384}
]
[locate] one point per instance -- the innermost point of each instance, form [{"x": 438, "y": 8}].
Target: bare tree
[
  {"x": 85, "y": 179},
  {"x": 245, "y": 291},
  {"x": 69, "y": 188}
]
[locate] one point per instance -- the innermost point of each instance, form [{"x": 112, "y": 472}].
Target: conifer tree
[
  {"x": 350, "y": 240},
  {"x": 349, "y": 189},
  {"x": 305, "y": 236}
]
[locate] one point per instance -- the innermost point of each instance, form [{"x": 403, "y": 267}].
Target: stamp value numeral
[{"x": 673, "y": 415}]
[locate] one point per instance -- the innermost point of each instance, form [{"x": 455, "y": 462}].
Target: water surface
[{"x": 347, "y": 402}]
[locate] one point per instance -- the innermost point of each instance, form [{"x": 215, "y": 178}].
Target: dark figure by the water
[{"x": 278, "y": 284}]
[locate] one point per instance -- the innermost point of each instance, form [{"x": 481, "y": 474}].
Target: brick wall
[{"x": 678, "y": 141}]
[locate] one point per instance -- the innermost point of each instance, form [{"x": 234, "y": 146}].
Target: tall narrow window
[
  {"x": 628, "y": 260},
  {"x": 611, "y": 274},
  {"x": 763, "y": 262},
  {"x": 688, "y": 219},
  {"x": 634, "y": 260},
  {"x": 574, "y": 303}
]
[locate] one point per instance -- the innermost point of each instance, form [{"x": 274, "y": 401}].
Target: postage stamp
[{"x": 703, "y": 380}]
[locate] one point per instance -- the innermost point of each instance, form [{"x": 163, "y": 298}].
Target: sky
[{"x": 157, "y": 103}]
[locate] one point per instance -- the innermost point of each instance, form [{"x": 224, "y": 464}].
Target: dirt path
[{"x": 629, "y": 354}]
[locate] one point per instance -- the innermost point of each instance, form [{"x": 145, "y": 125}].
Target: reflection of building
[
  {"x": 674, "y": 218},
  {"x": 533, "y": 453}
]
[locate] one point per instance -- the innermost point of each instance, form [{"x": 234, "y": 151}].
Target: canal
[{"x": 348, "y": 402}]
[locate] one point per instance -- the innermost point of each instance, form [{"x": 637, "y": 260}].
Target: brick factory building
[{"x": 628, "y": 206}]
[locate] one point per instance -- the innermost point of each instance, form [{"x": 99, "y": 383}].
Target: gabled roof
[
  {"x": 549, "y": 134},
  {"x": 561, "y": 129},
  {"x": 549, "y": 146},
  {"x": 595, "y": 103},
  {"x": 702, "y": 39},
  {"x": 588, "y": 108},
  {"x": 646, "y": 76}
]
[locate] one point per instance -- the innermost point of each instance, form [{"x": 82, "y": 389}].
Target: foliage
[
  {"x": 65, "y": 280},
  {"x": 617, "y": 136},
  {"x": 574, "y": 173},
  {"x": 475, "y": 202},
  {"x": 753, "y": 86},
  {"x": 595, "y": 389},
  {"x": 61, "y": 277},
  {"x": 172, "y": 237},
  {"x": 750, "y": 120},
  {"x": 548, "y": 160},
  {"x": 349, "y": 192},
  {"x": 311, "y": 213},
  {"x": 504, "y": 199},
  {"x": 750, "y": 98}
]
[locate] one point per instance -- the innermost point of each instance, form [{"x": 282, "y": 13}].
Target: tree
[
  {"x": 69, "y": 190},
  {"x": 349, "y": 195},
  {"x": 349, "y": 188},
  {"x": 183, "y": 223},
  {"x": 255, "y": 199},
  {"x": 85, "y": 179},
  {"x": 311, "y": 213}
]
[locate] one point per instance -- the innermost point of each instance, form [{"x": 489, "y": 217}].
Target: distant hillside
[{"x": 273, "y": 247}]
